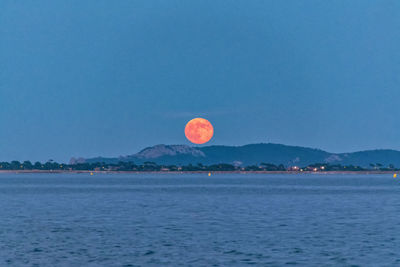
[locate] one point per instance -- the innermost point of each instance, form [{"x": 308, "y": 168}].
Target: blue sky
[{"x": 89, "y": 78}]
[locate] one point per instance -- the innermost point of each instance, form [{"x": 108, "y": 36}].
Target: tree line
[{"x": 153, "y": 167}]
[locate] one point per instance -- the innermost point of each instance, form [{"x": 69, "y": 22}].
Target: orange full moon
[{"x": 199, "y": 131}]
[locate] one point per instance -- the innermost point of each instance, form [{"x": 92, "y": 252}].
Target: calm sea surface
[{"x": 195, "y": 220}]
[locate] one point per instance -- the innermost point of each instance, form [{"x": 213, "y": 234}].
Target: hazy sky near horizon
[{"x": 89, "y": 78}]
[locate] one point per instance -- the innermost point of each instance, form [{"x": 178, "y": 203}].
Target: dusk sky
[{"x": 90, "y": 78}]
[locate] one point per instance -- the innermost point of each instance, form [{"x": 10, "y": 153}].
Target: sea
[{"x": 197, "y": 220}]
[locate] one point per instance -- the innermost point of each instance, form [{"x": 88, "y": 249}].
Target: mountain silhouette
[{"x": 252, "y": 154}]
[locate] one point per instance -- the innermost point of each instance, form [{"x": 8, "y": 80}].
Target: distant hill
[{"x": 252, "y": 154}]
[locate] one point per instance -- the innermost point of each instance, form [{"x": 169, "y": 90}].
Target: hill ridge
[{"x": 253, "y": 154}]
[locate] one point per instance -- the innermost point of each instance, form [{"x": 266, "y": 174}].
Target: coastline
[{"x": 195, "y": 172}]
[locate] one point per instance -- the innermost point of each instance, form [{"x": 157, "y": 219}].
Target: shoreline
[{"x": 193, "y": 172}]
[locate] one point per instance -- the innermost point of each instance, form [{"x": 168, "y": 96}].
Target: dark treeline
[{"x": 151, "y": 166}]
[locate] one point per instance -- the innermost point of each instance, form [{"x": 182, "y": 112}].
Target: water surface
[{"x": 196, "y": 220}]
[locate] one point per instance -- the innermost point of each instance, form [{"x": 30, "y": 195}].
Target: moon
[{"x": 199, "y": 131}]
